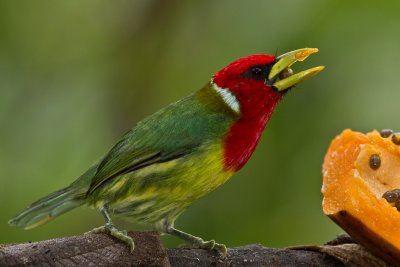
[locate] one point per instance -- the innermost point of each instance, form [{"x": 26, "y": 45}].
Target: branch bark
[{"x": 103, "y": 250}]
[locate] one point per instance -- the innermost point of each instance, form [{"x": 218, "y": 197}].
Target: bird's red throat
[
  {"x": 257, "y": 103},
  {"x": 244, "y": 134}
]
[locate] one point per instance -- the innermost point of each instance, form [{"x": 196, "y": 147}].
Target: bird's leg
[
  {"x": 110, "y": 229},
  {"x": 197, "y": 242}
]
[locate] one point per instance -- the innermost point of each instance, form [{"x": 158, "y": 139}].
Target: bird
[{"x": 180, "y": 153}]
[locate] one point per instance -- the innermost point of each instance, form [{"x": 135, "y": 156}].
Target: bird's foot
[
  {"x": 210, "y": 245},
  {"x": 121, "y": 235},
  {"x": 197, "y": 242}
]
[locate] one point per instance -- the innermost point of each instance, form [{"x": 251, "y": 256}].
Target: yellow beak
[{"x": 282, "y": 69}]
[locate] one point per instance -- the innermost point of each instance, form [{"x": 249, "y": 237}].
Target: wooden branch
[{"x": 103, "y": 250}]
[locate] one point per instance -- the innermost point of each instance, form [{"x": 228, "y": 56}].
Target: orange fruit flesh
[{"x": 353, "y": 190}]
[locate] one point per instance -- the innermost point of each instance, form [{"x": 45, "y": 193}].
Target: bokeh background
[{"x": 76, "y": 75}]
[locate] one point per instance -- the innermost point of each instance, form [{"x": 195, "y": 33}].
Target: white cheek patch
[{"x": 228, "y": 97}]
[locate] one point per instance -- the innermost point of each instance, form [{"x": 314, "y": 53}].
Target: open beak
[{"x": 282, "y": 69}]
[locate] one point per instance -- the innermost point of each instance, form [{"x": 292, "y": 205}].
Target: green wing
[
  {"x": 173, "y": 132},
  {"x": 112, "y": 167}
]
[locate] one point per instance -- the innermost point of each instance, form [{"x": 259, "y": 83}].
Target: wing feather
[{"x": 173, "y": 132}]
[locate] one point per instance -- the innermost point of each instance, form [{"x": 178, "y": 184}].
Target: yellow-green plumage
[
  {"x": 167, "y": 161},
  {"x": 179, "y": 154},
  {"x": 162, "y": 191}
]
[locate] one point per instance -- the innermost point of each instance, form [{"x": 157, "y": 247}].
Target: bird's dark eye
[{"x": 256, "y": 71}]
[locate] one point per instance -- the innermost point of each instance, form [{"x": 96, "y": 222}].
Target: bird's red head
[
  {"x": 254, "y": 68},
  {"x": 252, "y": 87},
  {"x": 247, "y": 81}
]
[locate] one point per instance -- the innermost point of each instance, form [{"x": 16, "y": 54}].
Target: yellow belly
[{"x": 164, "y": 190}]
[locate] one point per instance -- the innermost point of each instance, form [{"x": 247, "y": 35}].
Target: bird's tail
[{"x": 49, "y": 207}]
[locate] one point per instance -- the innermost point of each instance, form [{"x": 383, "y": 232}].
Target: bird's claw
[
  {"x": 110, "y": 229},
  {"x": 221, "y": 248},
  {"x": 209, "y": 245}
]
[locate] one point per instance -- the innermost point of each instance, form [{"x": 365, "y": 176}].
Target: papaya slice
[{"x": 358, "y": 170}]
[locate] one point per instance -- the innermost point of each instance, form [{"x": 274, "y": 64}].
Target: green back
[{"x": 172, "y": 132}]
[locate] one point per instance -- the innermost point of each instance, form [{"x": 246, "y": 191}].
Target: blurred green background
[{"x": 76, "y": 75}]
